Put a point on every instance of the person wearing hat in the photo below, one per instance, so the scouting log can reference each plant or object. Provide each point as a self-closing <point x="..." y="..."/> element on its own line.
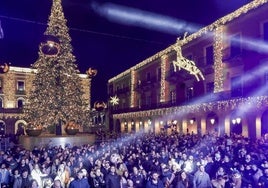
<point x="80" y="182"/>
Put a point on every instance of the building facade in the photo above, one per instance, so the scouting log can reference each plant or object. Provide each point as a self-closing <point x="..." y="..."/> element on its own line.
<point x="15" y="85"/>
<point x="214" y="80"/>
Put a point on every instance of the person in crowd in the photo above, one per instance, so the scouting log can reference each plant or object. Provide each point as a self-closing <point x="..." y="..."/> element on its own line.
<point x="183" y="181"/>
<point x="34" y="184"/>
<point x="229" y="152"/>
<point x="236" y="179"/>
<point x="57" y="184"/>
<point x="5" y="175"/>
<point x="23" y="165"/>
<point x="63" y="175"/>
<point x="98" y="180"/>
<point x="201" y="178"/>
<point x="112" y="179"/>
<point x="137" y="177"/>
<point x="37" y="175"/>
<point x="80" y="181"/>
<point x="154" y="181"/>
<point x="124" y="179"/>
<point x="220" y="178"/>
<point x="15" y="174"/>
<point x="263" y="180"/>
<point x="257" y="173"/>
<point x="24" y="180"/>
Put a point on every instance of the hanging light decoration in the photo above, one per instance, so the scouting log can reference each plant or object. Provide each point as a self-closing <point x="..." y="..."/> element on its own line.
<point x="91" y="72"/>
<point x="50" y="46"/>
<point x="4" y="68"/>
<point x="100" y="105"/>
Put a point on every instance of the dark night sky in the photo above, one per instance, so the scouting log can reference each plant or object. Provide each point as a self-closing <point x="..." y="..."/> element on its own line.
<point x="99" y="38"/>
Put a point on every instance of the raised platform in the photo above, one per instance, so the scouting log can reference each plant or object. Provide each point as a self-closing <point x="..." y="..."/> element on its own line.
<point x="53" y="140"/>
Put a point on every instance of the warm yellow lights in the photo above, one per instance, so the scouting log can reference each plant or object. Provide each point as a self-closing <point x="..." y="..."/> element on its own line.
<point x="218" y="65"/>
<point x="212" y="121"/>
<point x="255" y="102"/>
<point x="163" y="78"/>
<point x="236" y="121"/>
<point x="132" y="88"/>
<point x="185" y="63"/>
<point x="210" y="28"/>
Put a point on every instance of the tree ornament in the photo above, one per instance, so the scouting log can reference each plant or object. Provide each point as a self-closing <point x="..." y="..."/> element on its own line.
<point x="50" y="46"/>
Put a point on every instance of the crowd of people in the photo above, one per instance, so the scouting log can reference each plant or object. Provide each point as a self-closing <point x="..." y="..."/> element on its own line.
<point x="141" y="160"/>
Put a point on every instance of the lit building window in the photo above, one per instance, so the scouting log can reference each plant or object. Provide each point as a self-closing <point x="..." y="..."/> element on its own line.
<point x="265" y="31"/>
<point x="235" y="45"/>
<point x="210" y="87"/>
<point x="20" y="103"/>
<point x="173" y="97"/>
<point x="125" y="127"/>
<point x="190" y="93"/>
<point x="159" y="74"/>
<point x="148" y="77"/>
<point x="20" y="85"/>
<point x="148" y="101"/>
<point x="266" y="78"/>
<point x="236" y="86"/>
<point x="1" y="85"/>
<point x="209" y="55"/>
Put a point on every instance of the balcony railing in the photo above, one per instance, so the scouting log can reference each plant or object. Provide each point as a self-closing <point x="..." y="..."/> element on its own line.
<point x="11" y="110"/>
<point x="213" y="97"/>
<point x="20" y="92"/>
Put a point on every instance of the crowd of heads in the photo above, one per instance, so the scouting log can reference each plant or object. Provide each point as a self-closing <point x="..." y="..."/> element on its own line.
<point x="141" y="160"/>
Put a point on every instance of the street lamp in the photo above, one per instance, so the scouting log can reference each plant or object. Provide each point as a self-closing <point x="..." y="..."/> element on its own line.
<point x="192" y="120"/>
<point x="236" y="121"/>
<point x="212" y="121"/>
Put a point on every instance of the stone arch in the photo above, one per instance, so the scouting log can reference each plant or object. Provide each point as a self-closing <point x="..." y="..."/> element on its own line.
<point x="20" y="102"/>
<point x="236" y="123"/>
<point x="191" y="123"/>
<point x="212" y="122"/>
<point x="141" y="124"/>
<point x="1" y="102"/>
<point x="2" y="127"/>
<point x="117" y="126"/>
<point x="20" y="127"/>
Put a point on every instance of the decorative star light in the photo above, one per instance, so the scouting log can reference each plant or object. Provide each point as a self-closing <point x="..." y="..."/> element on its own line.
<point x="114" y="100"/>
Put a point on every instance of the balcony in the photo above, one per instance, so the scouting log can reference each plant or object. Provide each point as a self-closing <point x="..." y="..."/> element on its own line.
<point x="213" y="97"/>
<point x="20" y="92"/>
<point x="123" y="90"/>
<point x="146" y="85"/>
<point x="175" y="77"/>
<point x="11" y="110"/>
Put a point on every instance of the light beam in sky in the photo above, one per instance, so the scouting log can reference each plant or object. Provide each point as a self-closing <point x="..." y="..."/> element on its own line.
<point x="135" y="17"/>
<point x="1" y="31"/>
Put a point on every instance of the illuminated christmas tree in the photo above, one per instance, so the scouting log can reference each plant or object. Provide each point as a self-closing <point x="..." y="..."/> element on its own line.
<point x="56" y="97"/>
